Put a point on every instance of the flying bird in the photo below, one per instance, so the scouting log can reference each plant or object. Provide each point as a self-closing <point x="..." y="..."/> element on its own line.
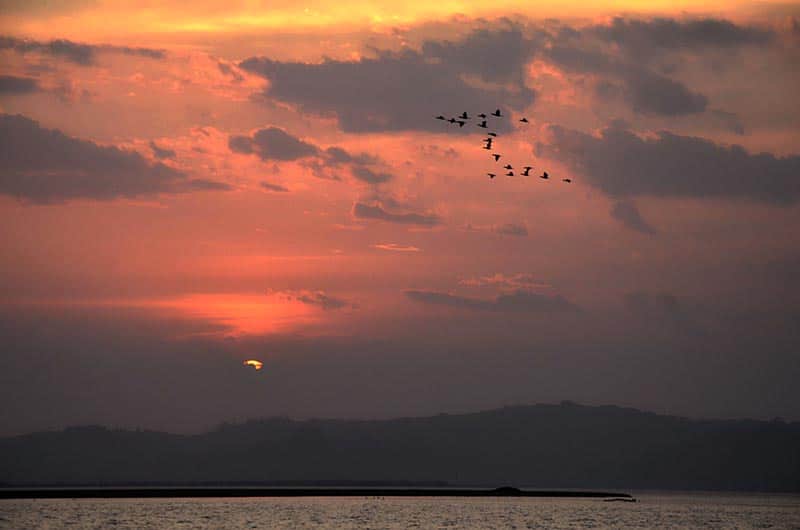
<point x="567" y="180"/>
<point x="491" y="175"/>
<point x="527" y="169"/>
<point x="510" y="174"/>
<point x="496" y="156"/>
<point x="487" y="146"/>
<point x="452" y="120"/>
<point x="481" y="115"/>
<point x="461" y="123"/>
<point x="524" y="120"/>
<point x="497" y="113"/>
<point x="257" y="365"/>
<point x="544" y="175"/>
<point x="440" y="117"/>
<point x="483" y="124"/>
<point x="508" y="166"/>
<point x="492" y="134"/>
<point x="464" y="116"/>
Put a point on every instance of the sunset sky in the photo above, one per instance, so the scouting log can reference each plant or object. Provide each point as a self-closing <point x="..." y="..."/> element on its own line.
<point x="188" y="185"/>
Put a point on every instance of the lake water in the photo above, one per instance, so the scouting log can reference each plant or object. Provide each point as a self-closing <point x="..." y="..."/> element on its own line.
<point x="691" y="510"/>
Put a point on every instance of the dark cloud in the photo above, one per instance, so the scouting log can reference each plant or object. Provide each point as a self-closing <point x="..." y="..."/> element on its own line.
<point x="511" y="229"/>
<point x="645" y="91"/>
<point x="322" y="300"/>
<point x="44" y="165"/>
<point x="75" y="52"/>
<point x="626" y="212"/>
<point x="371" y="177"/>
<point x="623" y="164"/>
<point x="273" y="187"/>
<point x="517" y="302"/>
<point x="160" y="152"/>
<point x="404" y="90"/>
<point x="204" y="185"/>
<point x="272" y="143"/>
<point x="377" y="211"/>
<point x="496" y="55"/>
<point x="336" y="155"/>
<point x="646" y="37"/>
<point x="650" y="93"/>
<point x="10" y="84"/>
<point x="276" y="144"/>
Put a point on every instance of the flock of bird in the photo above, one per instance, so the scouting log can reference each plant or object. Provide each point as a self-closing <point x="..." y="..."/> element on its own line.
<point x="488" y="142"/>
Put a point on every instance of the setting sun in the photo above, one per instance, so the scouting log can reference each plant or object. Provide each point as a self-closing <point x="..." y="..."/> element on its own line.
<point x="257" y="365"/>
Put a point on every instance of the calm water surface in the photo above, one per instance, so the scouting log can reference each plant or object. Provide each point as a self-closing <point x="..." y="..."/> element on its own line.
<point x="652" y="511"/>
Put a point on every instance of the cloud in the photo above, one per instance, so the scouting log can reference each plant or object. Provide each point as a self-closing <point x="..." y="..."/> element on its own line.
<point x="626" y="212"/>
<point x="644" y="38"/>
<point x="376" y="211"/>
<point x="644" y="90"/>
<point x="206" y="185"/>
<point x="273" y="187"/>
<point x="371" y="177"/>
<point x="396" y="248"/>
<point x="622" y="164"/>
<point x="272" y="143"/>
<point x="160" y="152"/>
<point x="45" y="165"/>
<point x="519" y="301"/>
<point x="75" y="52"/>
<point x="321" y="299"/>
<point x="513" y="282"/>
<point x="10" y="84"/>
<point x="404" y="90"/>
<point x="511" y="229"/>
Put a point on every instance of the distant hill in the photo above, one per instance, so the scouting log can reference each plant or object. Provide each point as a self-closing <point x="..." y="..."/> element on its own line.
<point x="541" y="446"/>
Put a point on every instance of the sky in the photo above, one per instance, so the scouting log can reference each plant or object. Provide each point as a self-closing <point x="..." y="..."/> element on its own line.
<point x="185" y="186"/>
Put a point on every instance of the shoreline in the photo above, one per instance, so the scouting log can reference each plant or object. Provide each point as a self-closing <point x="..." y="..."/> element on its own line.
<point x="205" y="492"/>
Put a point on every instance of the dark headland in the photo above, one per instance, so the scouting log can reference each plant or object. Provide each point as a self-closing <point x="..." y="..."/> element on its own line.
<point x="567" y="447"/>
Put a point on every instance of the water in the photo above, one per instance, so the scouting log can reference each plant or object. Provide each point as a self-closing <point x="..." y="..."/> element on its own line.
<point x="652" y="511"/>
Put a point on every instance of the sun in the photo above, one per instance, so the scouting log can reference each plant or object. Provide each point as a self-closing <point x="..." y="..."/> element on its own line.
<point x="257" y="365"/>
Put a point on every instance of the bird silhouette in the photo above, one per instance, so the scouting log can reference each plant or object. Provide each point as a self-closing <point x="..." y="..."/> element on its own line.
<point x="544" y="175"/>
<point x="460" y="123"/>
<point x="492" y="134"/>
<point x="497" y="113"/>
<point x="452" y="120"/>
<point x="527" y="169"/>
<point x="440" y="117"/>
<point x="491" y="175"/>
<point x="524" y="120"/>
<point x="496" y="156"/>
<point x="567" y="180"/>
<point x="488" y="147"/>
<point x="510" y="174"/>
<point x="481" y="115"/>
<point x="464" y="116"/>
<point x="508" y="166"/>
<point x="483" y="124"/>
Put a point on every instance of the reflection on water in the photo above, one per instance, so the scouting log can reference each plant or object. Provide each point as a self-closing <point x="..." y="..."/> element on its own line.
<point x="652" y="510"/>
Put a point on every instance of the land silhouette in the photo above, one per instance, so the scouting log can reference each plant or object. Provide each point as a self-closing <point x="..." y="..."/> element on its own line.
<point x="540" y="446"/>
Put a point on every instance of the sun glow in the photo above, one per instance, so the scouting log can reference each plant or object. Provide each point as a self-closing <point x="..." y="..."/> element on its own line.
<point x="257" y="365"/>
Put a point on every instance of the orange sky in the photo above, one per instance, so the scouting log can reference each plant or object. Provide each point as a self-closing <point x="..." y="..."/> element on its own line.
<point x="145" y="203"/>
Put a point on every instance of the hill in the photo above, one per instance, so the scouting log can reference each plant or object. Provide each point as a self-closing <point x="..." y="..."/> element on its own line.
<point x="540" y="446"/>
